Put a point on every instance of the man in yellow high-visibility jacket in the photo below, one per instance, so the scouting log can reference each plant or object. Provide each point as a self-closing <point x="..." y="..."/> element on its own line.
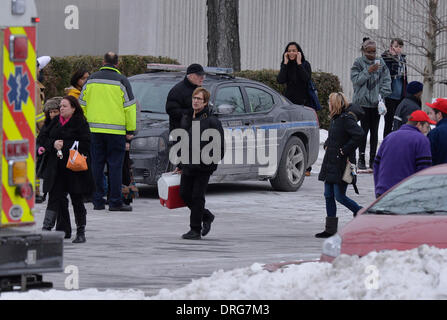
<point x="110" y="109"/>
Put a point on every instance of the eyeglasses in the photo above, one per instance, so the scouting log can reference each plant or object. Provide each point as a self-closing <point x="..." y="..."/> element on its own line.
<point x="197" y="99"/>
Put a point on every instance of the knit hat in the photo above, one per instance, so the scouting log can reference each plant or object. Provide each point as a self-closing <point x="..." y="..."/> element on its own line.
<point x="52" y="103"/>
<point x="415" y="87"/>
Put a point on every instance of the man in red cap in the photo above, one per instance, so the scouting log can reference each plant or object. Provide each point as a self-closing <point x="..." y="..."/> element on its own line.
<point x="403" y="153"/>
<point x="438" y="136"/>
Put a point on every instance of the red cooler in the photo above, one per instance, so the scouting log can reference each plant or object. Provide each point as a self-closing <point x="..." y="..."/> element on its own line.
<point x="169" y="191"/>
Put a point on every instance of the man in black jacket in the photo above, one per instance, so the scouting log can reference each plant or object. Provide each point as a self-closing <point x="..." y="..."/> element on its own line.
<point x="397" y="64"/>
<point x="179" y="101"/>
<point x="411" y="103"/>
<point x="200" y="164"/>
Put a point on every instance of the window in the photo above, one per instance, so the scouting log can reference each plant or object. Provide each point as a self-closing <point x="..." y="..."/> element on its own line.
<point x="152" y="95"/>
<point x="418" y="195"/>
<point x="260" y="100"/>
<point x="231" y="96"/>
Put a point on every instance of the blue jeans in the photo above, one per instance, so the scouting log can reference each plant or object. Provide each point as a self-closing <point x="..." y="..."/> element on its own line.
<point x="108" y="148"/>
<point x="337" y="192"/>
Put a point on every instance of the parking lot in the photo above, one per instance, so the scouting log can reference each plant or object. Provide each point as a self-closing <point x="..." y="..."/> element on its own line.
<point x="143" y="249"/>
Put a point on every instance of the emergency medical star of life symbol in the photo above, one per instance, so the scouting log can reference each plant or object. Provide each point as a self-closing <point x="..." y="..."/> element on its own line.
<point x="18" y="85"/>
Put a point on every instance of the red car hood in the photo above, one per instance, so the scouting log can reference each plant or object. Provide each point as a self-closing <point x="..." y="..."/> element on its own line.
<point x="369" y="232"/>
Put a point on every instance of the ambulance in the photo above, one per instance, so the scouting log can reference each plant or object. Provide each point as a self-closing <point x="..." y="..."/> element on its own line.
<point x="25" y="251"/>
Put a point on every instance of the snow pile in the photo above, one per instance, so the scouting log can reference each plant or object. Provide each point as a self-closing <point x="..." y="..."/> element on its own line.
<point x="415" y="274"/>
<point x="87" y="294"/>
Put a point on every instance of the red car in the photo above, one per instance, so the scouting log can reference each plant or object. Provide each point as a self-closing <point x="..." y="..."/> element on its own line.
<point x="412" y="213"/>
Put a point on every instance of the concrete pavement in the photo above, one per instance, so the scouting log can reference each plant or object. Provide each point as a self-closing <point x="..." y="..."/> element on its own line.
<point x="143" y="249"/>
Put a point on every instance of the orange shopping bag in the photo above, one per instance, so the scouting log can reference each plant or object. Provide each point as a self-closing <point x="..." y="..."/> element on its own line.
<point x="76" y="161"/>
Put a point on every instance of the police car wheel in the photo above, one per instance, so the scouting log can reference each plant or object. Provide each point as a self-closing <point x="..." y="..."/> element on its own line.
<point x="292" y="167"/>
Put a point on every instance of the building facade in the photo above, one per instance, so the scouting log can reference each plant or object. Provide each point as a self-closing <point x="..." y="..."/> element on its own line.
<point x="329" y="31"/>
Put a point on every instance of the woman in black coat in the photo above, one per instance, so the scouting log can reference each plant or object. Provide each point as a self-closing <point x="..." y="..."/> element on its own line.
<point x="344" y="137"/>
<point x="296" y="74"/>
<point x="57" y="139"/>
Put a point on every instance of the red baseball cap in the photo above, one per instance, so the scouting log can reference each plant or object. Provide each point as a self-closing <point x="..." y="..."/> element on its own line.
<point x="420" y="116"/>
<point x="439" y="104"/>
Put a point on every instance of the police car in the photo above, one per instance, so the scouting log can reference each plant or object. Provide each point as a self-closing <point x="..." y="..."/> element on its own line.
<point x="266" y="136"/>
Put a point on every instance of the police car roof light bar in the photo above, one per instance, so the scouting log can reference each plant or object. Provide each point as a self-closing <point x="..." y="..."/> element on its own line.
<point x="179" y="68"/>
<point x="165" y="67"/>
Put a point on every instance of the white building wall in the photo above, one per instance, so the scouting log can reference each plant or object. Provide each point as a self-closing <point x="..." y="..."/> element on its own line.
<point x="329" y="31"/>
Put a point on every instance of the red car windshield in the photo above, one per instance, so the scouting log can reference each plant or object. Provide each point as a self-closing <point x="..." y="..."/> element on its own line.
<point x="418" y="195"/>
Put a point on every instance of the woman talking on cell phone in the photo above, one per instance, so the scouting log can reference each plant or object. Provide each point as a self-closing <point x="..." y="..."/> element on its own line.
<point x="296" y="74"/>
<point x="370" y="78"/>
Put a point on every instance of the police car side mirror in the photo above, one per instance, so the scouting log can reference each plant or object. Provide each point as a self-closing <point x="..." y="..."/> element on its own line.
<point x="225" y="109"/>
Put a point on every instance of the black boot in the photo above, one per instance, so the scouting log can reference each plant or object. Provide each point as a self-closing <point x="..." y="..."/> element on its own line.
<point x="192" y="235"/>
<point x="207" y="221"/>
<point x="80" y="235"/>
<point x="331" y="228"/>
<point x="371" y="161"/>
<point x="80" y="218"/>
<point x="362" y="163"/>
<point x="49" y="220"/>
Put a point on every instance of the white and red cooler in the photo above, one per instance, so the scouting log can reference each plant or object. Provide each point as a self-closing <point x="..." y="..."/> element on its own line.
<point x="169" y="191"/>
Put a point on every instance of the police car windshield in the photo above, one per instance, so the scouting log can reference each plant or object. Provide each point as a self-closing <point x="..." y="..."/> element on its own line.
<point x="152" y="94"/>
<point x="418" y="195"/>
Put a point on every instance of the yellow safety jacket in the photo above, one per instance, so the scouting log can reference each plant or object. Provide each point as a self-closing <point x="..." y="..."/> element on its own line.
<point x="108" y="102"/>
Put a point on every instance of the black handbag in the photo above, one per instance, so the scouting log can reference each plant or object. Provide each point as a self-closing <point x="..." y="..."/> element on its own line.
<point x="40" y="165"/>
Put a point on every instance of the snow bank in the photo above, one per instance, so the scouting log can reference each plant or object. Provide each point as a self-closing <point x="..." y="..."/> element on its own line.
<point x="415" y="274"/>
<point x="87" y="294"/>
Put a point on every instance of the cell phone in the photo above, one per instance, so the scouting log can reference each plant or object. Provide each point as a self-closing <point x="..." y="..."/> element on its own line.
<point x="377" y="61"/>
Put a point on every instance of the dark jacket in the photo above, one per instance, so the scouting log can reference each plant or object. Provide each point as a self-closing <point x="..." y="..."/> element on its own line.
<point x="179" y="102"/>
<point x="401" y="154"/>
<point x="206" y="121"/>
<point x="296" y="77"/>
<point x="40" y="159"/>
<point x="76" y="129"/>
<point x="404" y="110"/>
<point x="345" y="134"/>
<point x="393" y="66"/>
<point x="438" y="142"/>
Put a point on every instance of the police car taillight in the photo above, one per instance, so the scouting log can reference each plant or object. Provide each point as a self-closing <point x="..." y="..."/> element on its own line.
<point x="17" y="149"/>
<point x="18" y="48"/>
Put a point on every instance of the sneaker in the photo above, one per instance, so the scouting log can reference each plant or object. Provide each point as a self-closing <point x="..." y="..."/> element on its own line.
<point x="39" y="199"/>
<point x="206" y="226"/>
<point x="101" y="207"/>
<point x="124" y="207"/>
<point x="192" y="235"/>
<point x="307" y="173"/>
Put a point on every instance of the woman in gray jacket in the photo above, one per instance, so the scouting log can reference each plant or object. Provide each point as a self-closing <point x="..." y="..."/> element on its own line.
<point x="370" y="78"/>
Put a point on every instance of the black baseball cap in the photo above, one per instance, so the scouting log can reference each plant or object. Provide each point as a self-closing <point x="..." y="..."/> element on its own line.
<point x="195" y="68"/>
